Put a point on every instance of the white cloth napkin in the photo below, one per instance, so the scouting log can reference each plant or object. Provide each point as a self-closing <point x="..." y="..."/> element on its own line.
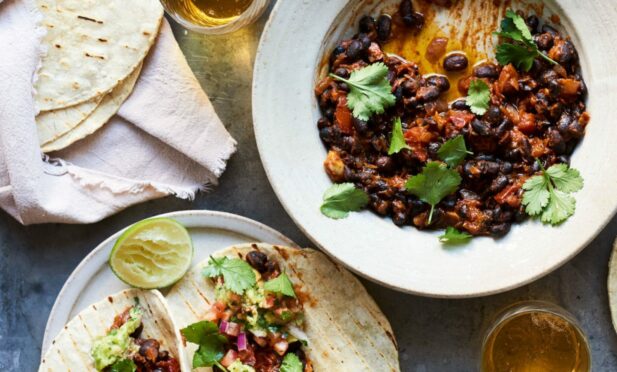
<point x="165" y="140"/>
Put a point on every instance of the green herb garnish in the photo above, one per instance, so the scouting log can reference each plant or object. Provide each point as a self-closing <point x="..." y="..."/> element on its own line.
<point x="453" y="236"/>
<point x="369" y="91"/>
<point x="524" y="50"/>
<point x="548" y="195"/>
<point x="397" y="140"/>
<point x="238" y="274"/>
<point x="454" y="151"/>
<point x="124" y="365"/>
<point x="280" y="284"/>
<point x="340" y="199"/>
<point x="478" y="97"/>
<point x="434" y="183"/>
<point x="211" y="343"/>
<point x="291" y="363"/>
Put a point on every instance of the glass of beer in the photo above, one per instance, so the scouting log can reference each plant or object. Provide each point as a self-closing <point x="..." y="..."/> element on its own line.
<point x="535" y="336"/>
<point x="215" y="16"/>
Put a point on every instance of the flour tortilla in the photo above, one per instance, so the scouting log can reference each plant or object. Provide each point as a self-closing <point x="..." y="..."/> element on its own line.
<point x="108" y="107"/>
<point x="612" y="285"/>
<point x="346" y="330"/>
<point x="70" y="350"/>
<point x="92" y="46"/>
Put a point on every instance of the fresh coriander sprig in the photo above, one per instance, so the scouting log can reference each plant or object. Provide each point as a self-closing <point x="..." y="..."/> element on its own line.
<point x="523" y="50"/>
<point x="340" y="199"/>
<point x="453" y="151"/>
<point x="211" y="343"/>
<point x="238" y="274"/>
<point x="369" y="90"/>
<point x="453" y="236"/>
<point x="478" y="97"/>
<point x="281" y="284"/>
<point x="397" y="140"/>
<point x="434" y="183"/>
<point x="548" y="195"/>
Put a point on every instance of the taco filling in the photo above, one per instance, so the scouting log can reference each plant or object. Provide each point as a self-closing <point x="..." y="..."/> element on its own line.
<point x="122" y="349"/>
<point x="256" y="323"/>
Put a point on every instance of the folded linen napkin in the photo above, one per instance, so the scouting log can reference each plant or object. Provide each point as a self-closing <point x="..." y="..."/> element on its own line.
<point x="165" y="140"/>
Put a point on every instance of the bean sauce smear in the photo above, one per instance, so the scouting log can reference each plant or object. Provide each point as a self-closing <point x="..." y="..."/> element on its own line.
<point x="540" y="114"/>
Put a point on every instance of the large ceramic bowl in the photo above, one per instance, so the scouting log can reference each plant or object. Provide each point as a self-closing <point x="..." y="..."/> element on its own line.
<point x="290" y="56"/>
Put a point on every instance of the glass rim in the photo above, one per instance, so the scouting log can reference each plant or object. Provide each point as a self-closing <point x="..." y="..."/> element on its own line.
<point x="254" y="11"/>
<point x="533" y="306"/>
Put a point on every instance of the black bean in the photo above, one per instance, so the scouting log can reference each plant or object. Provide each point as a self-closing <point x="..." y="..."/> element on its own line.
<point x="488" y="71"/>
<point x="432" y="148"/>
<point x="360" y="125"/>
<point x="367" y="24"/>
<point x="506" y="167"/>
<point x="322" y="123"/>
<point x="480" y="127"/>
<point x="500" y="229"/>
<point x="342" y="72"/>
<point x="427" y="94"/>
<point x="365" y="40"/>
<point x="406" y="12"/>
<point x="533" y="23"/>
<point x="468" y="194"/>
<point x="417" y="206"/>
<point x="384" y="27"/>
<point x="149" y="349"/>
<point x="336" y="52"/>
<point x="544" y="41"/>
<point x="400" y="218"/>
<point x="410" y="87"/>
<point x="549" y="29"/>
<point x="385" y="164"/>
<point x="398" y="93"/>
<point x="498" y="183"/>
<point x="449" y="201"/>
<point x="566" y="52"/>
<point x="327" y="135"/>
<point x="257" y="260"/>
<point x="548" y="76"/>
<point x="460" y="104"/>
<point x="439" y="81"/>
<point x="493" y="115"/>
<point x="455" y="62"/>
<point x="354" y="50"/>
<point x="503" y="127"/>
<point x="556" y="141"/>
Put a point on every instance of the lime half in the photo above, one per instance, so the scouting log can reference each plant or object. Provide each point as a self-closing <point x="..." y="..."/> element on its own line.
<point x="153" y="253"/>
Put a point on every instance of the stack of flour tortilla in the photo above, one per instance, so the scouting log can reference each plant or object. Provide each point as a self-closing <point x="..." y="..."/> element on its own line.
<point x="95" y="50"/>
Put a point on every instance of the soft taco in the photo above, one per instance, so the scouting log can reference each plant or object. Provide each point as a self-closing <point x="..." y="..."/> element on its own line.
<point x="130" y="331"/>
<point x="258" y="308"/>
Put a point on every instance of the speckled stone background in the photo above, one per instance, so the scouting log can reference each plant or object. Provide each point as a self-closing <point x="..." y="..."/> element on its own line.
<point x="434" y="335"/>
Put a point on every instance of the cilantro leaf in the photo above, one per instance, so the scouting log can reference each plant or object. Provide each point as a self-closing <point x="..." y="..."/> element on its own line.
<point x="520" y="56"/>
<point x="536" y="195"/>
<point x="370" y="91"/>
<point x="434" y="183"/>
<point x="454" y="151"/>
<point x="523" y="53"/>
<point x="291" y="363"/>
<point x="340" y="199"/>
<point x="211" y="343"/>
<point x="564" y="178"/>
<point x="548" y="194"/>
<point x="124" y="365"/>
<point x="397" y="141"/>
<point x="478" y="97"/>
<point x="280" y="284"/>
<point x="453" y="236"/>
<point x="238" y="274"/>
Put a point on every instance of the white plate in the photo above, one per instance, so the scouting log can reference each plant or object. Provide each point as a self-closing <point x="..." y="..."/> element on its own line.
<point x="92" y="280"/>
<point x="285" y="115"/>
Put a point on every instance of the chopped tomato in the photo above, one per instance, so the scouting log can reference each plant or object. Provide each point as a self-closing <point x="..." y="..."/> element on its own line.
<point x="343" y="116"/>
<point x="527" y="123"/>
<point x="229" y="358"/>
<point x="460" y="119"/>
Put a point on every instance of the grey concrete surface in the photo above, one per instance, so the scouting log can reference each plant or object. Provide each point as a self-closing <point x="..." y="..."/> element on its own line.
<point x="434" y="335"/>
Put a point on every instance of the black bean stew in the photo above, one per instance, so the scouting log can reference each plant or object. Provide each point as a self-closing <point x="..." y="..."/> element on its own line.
<point x="538" y="114"/>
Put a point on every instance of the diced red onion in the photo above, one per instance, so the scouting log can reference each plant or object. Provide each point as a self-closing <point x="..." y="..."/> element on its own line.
<point x="233" y="329"/>
<point x="242" y="344"/>
<point x="223" y="326"/>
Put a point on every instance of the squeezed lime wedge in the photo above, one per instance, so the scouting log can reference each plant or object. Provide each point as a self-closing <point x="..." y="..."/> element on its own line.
<point x="153" y="253"/>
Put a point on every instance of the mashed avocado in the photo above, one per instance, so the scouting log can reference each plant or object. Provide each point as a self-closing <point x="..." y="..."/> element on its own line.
<point x="237" y="366"/>
<point x="111" y="348"/>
